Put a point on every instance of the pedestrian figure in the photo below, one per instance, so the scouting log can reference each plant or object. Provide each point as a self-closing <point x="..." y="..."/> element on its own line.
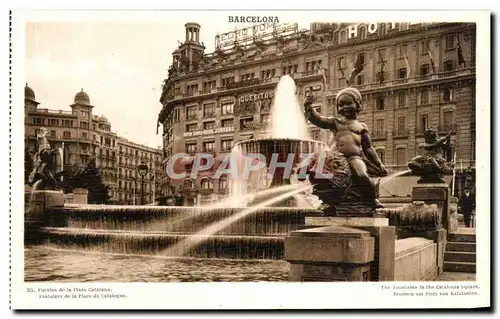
<point x="467" y="205"/>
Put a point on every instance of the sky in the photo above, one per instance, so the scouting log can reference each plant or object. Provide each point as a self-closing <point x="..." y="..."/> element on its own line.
<point x="120" y="65"/>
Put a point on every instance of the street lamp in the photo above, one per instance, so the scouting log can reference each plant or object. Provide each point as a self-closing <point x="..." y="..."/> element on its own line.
<point x="142" y="169"/>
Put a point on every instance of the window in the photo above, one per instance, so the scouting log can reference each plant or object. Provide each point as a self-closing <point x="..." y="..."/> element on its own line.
<point x="227" y="123"/>
<point x="84" y="113"/>
<point x="402" y="50"/>
<point x="447" y="95"/>
<point x="226" y="145"/>
<point x="37" y="121"/>
<point x="209" y="125"/>
<point x="401" y="157"/>
<point x="381" y="155"/>
<point x="191" y="113"/>
<point x="447" y="121"/>
<point x="208" y="86"/>
<point x="190" y="148"/>
<point x="361" y="58"/>
<point x="402" y="99"/>
<point x="362" y="32"/>
<point x="380" y="128"/>
<point x="68" y="123"/>
<point x="379" y="104"/>
<point x="424" y="122"/>
<point x="177" y="115"/>
<point x="360" y="79"/>
<point x="191" y="127"/>
<point x="209" y="146"/>
<point x="267" y="74"/>
<point x="402" y="73"/>
<point x="84" y="135"/>
<point x="227" y="107"/>
<point x="424" y="97"/>
<point x="54" y="122"/>
<point x="448" y="66"/>
<point x="84" y="124"/>
<point x="290" y="69"/>
<point x="209" y="110"/>
<point x="67" y="134"/>
<point x="341" y="62"/>
<point x="53" y="133"/>
<point x="223" y="182"/>
<point x="450" y="42"/>
<point x="425" y="46"/>
<point x="227" y="81"/>
<point x="401" y="124"/>
<point x="343" y="36"/>
<point x="207" y="183"/>
<point x="424" y="69"/>
<point x="248" y="76"/>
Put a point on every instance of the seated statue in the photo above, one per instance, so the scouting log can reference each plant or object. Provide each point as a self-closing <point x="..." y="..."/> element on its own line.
<point x="432" y="165"/>
<point x="351" y="160"/>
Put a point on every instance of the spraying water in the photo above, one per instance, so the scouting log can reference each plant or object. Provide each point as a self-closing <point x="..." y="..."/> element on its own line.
<point x="287" y="117"/>
<point x="184" y="246"/>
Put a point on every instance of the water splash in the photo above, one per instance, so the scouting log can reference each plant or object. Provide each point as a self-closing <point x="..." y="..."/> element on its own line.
<point x="287" y="117"/>
<point x="388" y="178"/>
<point x="192" y="241"/>
<point x="32" y="195"/>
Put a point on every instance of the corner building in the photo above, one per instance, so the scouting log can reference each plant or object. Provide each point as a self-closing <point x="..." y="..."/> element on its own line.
<point x="82" y="135"/>
<point x="415" y="76"/>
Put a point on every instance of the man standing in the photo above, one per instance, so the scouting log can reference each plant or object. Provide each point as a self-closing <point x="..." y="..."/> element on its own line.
<point x="467" y="205"/>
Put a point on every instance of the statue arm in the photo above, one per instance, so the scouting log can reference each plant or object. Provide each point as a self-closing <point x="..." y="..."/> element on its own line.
<point x="318" y="120"/>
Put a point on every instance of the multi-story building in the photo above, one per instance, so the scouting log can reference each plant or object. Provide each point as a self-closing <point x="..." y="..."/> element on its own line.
<point x="83" y="135"/>
<point x="415" y="76"/>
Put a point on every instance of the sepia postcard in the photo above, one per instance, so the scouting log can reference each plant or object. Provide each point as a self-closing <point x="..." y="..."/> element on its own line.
<point x="250" y="159"/>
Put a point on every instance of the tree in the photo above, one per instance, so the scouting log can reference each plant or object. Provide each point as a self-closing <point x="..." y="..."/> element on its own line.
<point x="88" y="177"/>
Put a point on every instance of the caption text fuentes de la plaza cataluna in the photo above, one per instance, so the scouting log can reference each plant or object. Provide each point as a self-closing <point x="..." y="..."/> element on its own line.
<point x="75" y="293"/>
<point x="432" y="290"/>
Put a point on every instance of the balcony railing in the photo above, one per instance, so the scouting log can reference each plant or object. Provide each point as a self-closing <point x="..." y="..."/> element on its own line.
<point x="401" y="133"/>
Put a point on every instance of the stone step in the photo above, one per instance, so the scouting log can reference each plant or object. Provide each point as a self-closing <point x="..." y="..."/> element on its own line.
<point x="460" y="246"/>
<point x="462" y="256"/>
<point x="457" y="266"/>
<point x="469" y="238"/>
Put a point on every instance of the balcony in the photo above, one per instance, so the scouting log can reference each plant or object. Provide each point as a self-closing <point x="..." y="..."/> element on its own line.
<point x="191" y="117"/>
<point x="379" y="135"/>
<point x="208" y="114"/>
<point x="400" y="133"/>
<point x="401" y="81"/>
<point x="84" y="140"/>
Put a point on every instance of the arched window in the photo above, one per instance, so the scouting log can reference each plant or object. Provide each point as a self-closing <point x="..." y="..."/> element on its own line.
<point x="223" y="182"/>
<point x="207" y="183"/>
<point x="343" y="36"/>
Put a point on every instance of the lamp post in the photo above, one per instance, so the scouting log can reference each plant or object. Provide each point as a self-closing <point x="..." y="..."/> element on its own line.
<point x="142" y="169"/>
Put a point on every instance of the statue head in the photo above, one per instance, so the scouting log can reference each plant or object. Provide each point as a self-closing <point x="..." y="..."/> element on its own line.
<point x="430" y="135"/>
<point x="42" y="132"/>
<point x="348" y="102"/>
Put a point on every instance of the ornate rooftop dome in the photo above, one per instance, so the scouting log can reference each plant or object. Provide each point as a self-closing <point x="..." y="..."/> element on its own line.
<point x="29" y="94"/>
<point x="82" y="98"/>
<point x="103" y="119"/>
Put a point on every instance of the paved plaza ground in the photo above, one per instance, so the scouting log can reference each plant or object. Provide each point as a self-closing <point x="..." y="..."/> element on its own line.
<point x="456" y="276"/>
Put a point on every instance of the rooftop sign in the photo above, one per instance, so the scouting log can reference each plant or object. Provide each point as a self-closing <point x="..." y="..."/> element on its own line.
<point x="259" y="32"/>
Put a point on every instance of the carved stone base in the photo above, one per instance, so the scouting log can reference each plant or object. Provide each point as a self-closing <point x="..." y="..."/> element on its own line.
<point x="36" y="205"/>
<point x="431" y="179"/>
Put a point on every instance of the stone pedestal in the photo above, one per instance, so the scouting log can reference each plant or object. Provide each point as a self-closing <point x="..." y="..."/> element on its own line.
<point x="384" y="240"/>
<point x="36" y="205"/>
<point x="331" y="253"/>
<point x="438" y="194"/>
<point x="80" y="196"/>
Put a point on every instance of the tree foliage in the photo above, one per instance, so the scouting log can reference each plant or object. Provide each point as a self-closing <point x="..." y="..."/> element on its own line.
<point x="87" y="177"/>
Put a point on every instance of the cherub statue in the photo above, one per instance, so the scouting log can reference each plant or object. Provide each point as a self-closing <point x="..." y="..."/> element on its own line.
<point x="349" y="104"/>
<point x="432" y="165"/>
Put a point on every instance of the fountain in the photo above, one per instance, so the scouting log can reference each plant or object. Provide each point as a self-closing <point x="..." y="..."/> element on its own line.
<point x="264" y="205"/>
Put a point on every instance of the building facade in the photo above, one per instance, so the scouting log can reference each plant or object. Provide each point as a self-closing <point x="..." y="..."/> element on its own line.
<point x="415" y="76"/>
<point x="83" y="135"/>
